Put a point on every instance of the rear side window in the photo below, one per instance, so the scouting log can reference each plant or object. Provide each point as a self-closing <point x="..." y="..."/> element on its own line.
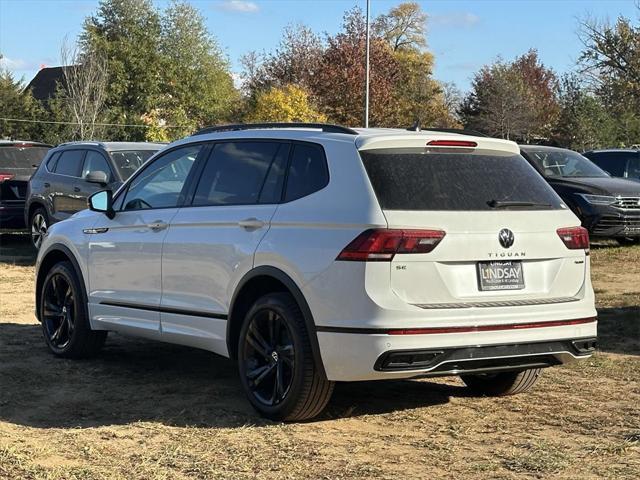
<point x="51" y="163"/>
<point x="235" y="173"/>
<point x="415" y="179"/>
<point x="70" y="163"/>
<point x="611" y="162"/>
<point x="308" y="172"/>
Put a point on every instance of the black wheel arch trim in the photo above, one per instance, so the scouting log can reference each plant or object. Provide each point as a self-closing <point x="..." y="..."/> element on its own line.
<point x="59" y="247"/>
<point x="287" y="281"/>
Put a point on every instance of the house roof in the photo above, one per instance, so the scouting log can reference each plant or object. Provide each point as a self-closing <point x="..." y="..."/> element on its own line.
<point x="43" y="85"/>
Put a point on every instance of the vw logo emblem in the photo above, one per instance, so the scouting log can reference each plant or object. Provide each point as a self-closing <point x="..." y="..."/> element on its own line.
<point x="505" y="237"/>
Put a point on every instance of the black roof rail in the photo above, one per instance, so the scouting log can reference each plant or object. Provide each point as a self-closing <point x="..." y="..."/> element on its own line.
<point x="459" y="131"/>
<point x="325" y="127"/>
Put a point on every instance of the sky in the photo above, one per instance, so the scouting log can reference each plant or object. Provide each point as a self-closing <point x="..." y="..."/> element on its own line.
<point x="464" y="35"/>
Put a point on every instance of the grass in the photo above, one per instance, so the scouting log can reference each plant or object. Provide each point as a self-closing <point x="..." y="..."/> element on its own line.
<point x="144" y="410"/>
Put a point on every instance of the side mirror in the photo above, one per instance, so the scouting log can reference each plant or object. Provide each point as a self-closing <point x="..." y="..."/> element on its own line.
<point x="102" y="201"/>
<point x="97" y="176"/>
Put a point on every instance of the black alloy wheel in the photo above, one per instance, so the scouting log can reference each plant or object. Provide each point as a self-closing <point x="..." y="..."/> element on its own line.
<point x="59" y="311"/>
<point x="268" y="357"/>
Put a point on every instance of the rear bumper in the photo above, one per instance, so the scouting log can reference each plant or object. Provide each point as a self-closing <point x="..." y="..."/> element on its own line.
<point x="376" y="356"/>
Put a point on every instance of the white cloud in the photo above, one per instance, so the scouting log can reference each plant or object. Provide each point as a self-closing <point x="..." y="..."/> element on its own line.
<point x="14" y="64"/>
<point x="455" y="19"/>
<point x="241" y="6"/>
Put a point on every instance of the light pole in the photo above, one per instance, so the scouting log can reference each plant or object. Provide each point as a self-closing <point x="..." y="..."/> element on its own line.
<point x="366" y="87"/>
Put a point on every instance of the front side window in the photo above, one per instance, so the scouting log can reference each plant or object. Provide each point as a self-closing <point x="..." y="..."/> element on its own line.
<point x="564" y="163"/>
<point x="95" y="162"/>
<point x="128" y="161"/>
<point x="417" y="179"/>
<point x="70" y="163"/>
<point x="160" y="185"/>
<point x="235" y="173"/>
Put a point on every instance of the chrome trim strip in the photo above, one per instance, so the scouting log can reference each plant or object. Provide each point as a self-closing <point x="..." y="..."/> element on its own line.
<point x="499" y="303"/>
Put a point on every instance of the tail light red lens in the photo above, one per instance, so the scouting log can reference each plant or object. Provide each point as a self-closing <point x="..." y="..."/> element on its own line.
<point x="380" y="245"/>
<point x="6" y="176"/>
<point x="575" y="238"/>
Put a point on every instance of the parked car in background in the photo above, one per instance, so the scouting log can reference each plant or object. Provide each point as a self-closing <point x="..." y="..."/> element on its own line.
<point x="73" y="171"/>
<point x="18" y="161"/>
<point x="312" y="254"/>
<point x="607" y="206"/>
<point x="624" y="163"/>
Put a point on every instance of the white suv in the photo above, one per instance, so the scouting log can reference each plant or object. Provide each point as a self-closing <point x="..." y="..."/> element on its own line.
<point x="312" y="254"/>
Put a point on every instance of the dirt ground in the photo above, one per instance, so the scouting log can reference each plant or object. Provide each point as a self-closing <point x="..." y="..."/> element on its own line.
<point x="144" y="410"/>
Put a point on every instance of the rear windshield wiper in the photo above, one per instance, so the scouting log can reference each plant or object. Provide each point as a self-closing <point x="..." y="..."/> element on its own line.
<point x="509" y="203"/>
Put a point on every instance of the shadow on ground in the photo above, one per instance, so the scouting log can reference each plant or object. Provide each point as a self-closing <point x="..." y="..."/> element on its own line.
<point x="135" y="380"/>
<point x="619" y="330"/>
<point x="16" y="249"/>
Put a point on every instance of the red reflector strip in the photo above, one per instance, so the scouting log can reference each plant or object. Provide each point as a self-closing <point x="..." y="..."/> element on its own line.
<point x="452" y="143"/>
<point x="490" y="328"/>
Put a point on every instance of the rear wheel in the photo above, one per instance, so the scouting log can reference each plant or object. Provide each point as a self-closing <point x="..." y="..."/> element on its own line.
<point x="503" y="383"/>
<point x="63" y="312"/>
<point x="39" y="223"/>
<point x="277" y="368"/>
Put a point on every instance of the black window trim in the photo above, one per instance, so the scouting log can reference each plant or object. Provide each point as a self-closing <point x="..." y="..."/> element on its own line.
<point x="121" y="194"/>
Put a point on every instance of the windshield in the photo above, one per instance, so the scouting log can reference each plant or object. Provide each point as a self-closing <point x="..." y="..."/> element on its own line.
<point x="21" y="160"/>
<point x="128" y="161"/>
<point x="418" y="179"/>
<point x="564" y="163"/>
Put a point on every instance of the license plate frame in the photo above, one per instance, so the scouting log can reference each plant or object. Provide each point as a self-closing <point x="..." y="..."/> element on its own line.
<point x="500" y="275"/>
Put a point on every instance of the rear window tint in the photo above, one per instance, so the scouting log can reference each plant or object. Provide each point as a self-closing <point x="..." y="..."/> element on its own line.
<point x="21" y="157"/>
<point x="416" y="179"/>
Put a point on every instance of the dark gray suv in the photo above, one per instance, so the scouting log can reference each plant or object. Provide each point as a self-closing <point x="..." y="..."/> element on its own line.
<point x="73" y="171"/>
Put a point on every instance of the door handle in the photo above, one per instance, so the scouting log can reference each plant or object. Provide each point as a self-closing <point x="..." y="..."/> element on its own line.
<point x="251" y="223"/>
<point x="158" y="225"/>
<point x="47" y="184"/>
<point x="76" y="189"/>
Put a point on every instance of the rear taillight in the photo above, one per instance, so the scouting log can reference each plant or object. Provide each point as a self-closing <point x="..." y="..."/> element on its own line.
<point x="6" y="176"/>
<point x="575" y="238"/>
<point x="380" y="245"/>
<point x="452" y="143"/>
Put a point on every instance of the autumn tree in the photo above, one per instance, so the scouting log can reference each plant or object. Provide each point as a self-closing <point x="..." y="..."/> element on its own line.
<point x="339" y="80"/>
<point x="290" y="103"/>
<point x="515" y="100"/>
<point x="403" y="27"/>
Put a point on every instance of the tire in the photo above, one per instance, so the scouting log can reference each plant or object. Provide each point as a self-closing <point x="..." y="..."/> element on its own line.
<point x="274" y="348"/>
<point x="628" y="240"/>
<point x="38" y="225"/>
<point x="502" y="384"/>
<point x="64" y="315"/>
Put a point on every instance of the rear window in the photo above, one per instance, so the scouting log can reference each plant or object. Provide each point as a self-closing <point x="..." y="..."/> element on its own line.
<point x="417" y="179"/>
<point x="21" y="158"/>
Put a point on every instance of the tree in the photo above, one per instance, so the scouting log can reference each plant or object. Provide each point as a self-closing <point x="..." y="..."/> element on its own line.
<point x="197" y="88"/>
<point x="126" y="33"/>
<point x="284" y="104"/>
<point x="514" y="100"/>
<point x="404" y="27"/>
<point x="339" y="80"/>
<point x="16" y="102"/>
<point x="84" y="89"/>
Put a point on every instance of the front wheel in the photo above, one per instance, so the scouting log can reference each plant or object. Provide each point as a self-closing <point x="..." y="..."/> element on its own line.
<point x="63" y="312"/>
<point x="277" y="369"/>
<point x="502" y="384"/>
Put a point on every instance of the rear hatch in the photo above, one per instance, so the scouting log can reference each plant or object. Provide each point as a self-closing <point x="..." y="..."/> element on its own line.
<point x="17" y="164"/>
<point x="499" y="223"/>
